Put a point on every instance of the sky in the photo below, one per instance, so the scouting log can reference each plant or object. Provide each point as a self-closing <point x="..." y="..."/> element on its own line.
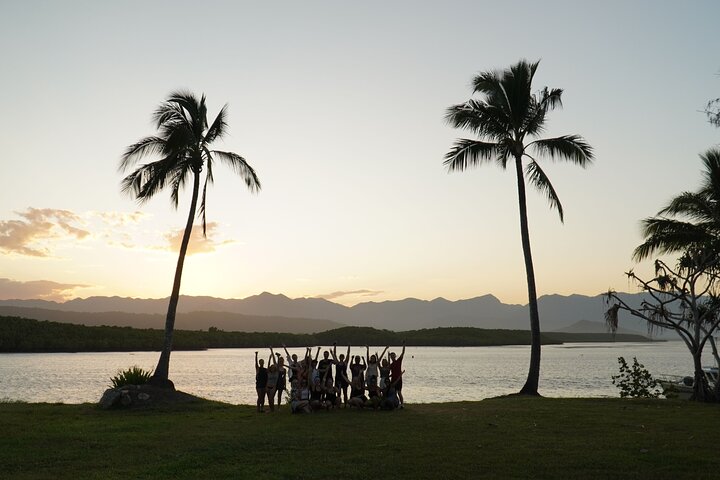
<point x="339" y="106"/>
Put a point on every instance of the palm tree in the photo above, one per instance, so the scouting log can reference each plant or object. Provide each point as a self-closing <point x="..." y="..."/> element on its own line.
<point x="504" y="119"/>
<point x="691" y="220"/>
<point x="183" y="145"/>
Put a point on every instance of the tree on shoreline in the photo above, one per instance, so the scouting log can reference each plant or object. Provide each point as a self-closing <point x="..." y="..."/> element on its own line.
<point x="183" y="143"/>
<point x="684" y="299"/>
<point x="688" y="225"/>
<point x="503" y="120"/>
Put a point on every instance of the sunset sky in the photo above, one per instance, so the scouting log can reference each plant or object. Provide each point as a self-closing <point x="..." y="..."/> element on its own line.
<point x="339" y="107"/>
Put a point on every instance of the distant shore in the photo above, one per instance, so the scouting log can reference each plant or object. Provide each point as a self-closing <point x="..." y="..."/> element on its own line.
<point x="22" y="335"/>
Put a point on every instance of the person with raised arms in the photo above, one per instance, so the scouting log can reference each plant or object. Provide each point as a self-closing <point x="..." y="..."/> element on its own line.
<point x="396" y="373"/>
<point x="341" y="365"/>
<point x="261" y="378"/>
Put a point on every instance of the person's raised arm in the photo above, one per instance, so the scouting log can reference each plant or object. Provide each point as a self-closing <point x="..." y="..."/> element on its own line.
<point x="272" y="355"/>
<point x="382" y="354"/>
<point x="367" y="354"/>
<point x="333" y="352"/>
<point x="270" y="358"/>
<point x="256" y="362"/>
<point x="287" y="354"/>
<point x="402" y="353"/>
<point x="347" y="356"/>
<point x="317" y="354"/>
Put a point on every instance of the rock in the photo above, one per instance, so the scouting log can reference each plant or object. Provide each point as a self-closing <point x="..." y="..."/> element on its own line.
<point x="143" y="397"/>
<point x="125" y="398"/>
<point x="110" y="398"/>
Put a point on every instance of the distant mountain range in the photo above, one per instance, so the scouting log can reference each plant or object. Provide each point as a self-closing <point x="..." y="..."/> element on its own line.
<point x="271" y="312"/>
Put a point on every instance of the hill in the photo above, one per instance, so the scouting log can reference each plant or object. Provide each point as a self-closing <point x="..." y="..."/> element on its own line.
<point x="557" y="312"/>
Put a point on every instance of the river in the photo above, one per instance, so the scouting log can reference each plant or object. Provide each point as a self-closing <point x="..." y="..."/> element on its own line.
<point x="433" y="374"/>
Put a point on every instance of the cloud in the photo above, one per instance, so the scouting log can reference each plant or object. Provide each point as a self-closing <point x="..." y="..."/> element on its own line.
<point x="42" y="289"/>
<point x="362" y="293"/>
<point x="198" y="243"/>
<point x="120" y="219"/>
<point x="29" y="236"/>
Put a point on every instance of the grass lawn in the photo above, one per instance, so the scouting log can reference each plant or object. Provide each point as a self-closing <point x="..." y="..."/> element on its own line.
<point x="510" y="437"/>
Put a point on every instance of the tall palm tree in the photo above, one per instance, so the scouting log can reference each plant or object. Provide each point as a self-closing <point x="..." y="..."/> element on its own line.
<point x="691" y="220"/>
<point x="183" y="145"/>
<point x="504" y="119"/>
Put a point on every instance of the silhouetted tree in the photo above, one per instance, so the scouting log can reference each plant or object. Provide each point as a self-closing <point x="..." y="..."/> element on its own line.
<point x="690" y="221"/>
<point x="504" y="119"/>
<point x="183" y="145"/>
<point x="684" y="299"/>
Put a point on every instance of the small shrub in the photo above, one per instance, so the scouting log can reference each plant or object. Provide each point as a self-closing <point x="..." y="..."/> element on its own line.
<point x="635" y="381"/>
<point x="132" y="376"/>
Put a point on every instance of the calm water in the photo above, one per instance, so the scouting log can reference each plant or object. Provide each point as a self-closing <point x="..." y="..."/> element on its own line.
<point x="433" y="374"/>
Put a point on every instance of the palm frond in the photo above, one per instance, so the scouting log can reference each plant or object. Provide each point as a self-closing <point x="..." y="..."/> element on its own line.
<point x="537" y="177"/>
<point x="691" y="205"/>
<point x="148" y="146"/>
<point x="663" y="235"/>
<point x="545" y="101"/>
<point x="241" y="167"/>
<point x="217" y="129"/>
<point x="480" y="118"/>
<point x="149" y="179"/>
<point x="469" y="153"/>
<point x="517" y="84"/>
<point x="567" y="147"/>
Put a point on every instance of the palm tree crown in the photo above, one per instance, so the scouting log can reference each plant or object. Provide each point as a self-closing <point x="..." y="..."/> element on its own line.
<point x="691" y="221"/>
<point x="183" y="143"/>
<point x="504" y="119"/>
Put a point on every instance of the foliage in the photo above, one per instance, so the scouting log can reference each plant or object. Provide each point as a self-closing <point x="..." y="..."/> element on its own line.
<point x="684" y="299"/>
<point x="712" y="110"/>
<point x="558" y="438"/>
<point x="635" y="381"/>
<point x="691" y="221"/>
<point x="132" y="376"/>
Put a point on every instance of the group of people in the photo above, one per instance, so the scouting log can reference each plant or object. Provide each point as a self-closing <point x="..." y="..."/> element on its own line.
<point x="374" y="382"/>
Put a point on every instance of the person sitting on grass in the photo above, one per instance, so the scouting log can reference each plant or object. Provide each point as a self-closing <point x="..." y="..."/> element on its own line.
<point x="332" y="394"/>
<point x="373" y="393"/>
<point x="261" y="378"/>
<point x="390" y="400"/>
<point x="316" y="395"/>
<point x="357" y="393"/>
<point x="299" y="398"/>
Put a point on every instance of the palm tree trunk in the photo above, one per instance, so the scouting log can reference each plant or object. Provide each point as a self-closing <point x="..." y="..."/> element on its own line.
<point x="160" y="377"/>
<point x="533" y="378"/>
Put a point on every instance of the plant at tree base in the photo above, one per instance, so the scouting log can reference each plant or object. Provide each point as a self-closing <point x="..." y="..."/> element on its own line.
<point x="635" y="381"/>
<point x="132" y="376"/>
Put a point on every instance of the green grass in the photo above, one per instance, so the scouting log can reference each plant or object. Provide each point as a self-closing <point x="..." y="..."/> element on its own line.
<point x="511" y="437"/>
